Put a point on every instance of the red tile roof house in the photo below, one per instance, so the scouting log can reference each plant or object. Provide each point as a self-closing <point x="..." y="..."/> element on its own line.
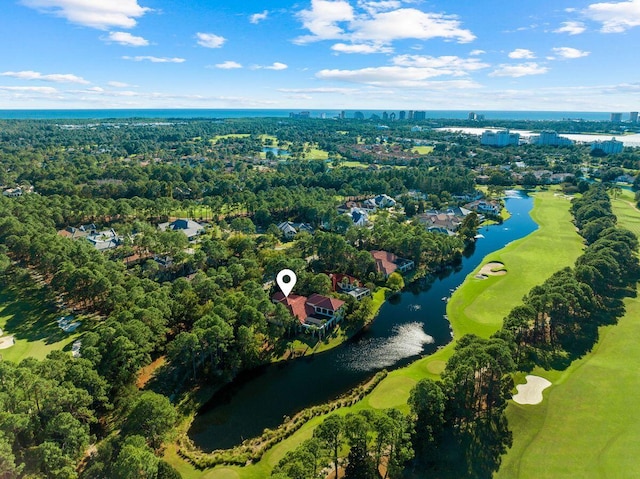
<point x="316" y="311"/>
<point x="387" y="263"/>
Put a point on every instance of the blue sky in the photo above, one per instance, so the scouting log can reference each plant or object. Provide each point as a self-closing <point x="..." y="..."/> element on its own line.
<point x="321" y="54"/>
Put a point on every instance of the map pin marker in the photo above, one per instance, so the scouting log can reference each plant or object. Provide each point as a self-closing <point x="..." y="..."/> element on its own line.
<point x="286" y="280"/>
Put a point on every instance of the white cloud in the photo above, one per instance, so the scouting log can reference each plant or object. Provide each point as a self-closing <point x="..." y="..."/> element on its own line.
<point x="100" y="14"/>
<point x="210" y="40"/>
<point x="616" y="17"/>
<point x="521" y="53"/>
<point x="327" y="90"/>
<point x="379" y="6"/>
<point x="154" y="59"/>
<point x="125" y="38"/>
<point x="47" y="90"/>
<point x="477" y="52"/>
<point x="53" y="77"/>
<point x="363" y="48"/>
<point x="118" y="84"/>
<point x="570" y="53"/>
<point x="276" y="66"/>
<point x="409" y="23"/>
<point x="520" y="70"/>
<point x="228" y="65"/>
<point x="444" y="65"/>
<point x="258" y="17"/>
<point x="396" y="76"/>
<point x="572" y="28"/>
<point x="323" y="18"/>
<point x="377" y="22"/>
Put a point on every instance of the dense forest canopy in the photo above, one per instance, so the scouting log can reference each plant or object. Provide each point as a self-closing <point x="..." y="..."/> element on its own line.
<point x="201" y="311"/>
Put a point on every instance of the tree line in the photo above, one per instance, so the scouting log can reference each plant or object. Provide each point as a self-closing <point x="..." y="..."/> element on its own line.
<point x="456" y="426"/>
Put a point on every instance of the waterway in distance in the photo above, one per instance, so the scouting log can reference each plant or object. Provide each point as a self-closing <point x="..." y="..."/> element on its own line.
<point x="408" y="326"/>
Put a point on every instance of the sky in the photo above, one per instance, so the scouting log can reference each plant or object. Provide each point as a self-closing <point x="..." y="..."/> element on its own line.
<point x="560" y="55"/>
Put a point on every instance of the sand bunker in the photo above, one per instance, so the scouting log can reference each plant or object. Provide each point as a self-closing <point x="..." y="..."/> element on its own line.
<point x="7" y="342"/>
<point x="531" y="391"/>
<point x="491" y="269"/>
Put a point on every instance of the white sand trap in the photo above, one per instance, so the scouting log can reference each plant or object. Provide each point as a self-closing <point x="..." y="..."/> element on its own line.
<point x="531" y="391"/>
<point x="493" y="269"/>
<point x="7" y="342"/>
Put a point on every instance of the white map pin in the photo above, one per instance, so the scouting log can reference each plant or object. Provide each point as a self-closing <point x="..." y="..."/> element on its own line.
<point x="286" y="286"/>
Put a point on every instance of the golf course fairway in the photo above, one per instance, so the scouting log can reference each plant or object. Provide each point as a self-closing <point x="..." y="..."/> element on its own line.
<point x="588" y="425"/>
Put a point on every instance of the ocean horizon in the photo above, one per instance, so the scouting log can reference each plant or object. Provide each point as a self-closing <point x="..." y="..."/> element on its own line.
<point x="179" y="113"/>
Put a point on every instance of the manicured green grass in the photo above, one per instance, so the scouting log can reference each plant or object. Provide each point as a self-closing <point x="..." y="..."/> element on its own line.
<point x="476" y="307"/>
<point x="315" y="153"/>
<point x="423" y="150"/>
<point x="588" y="426"/>
<point x="216" y="138"/>
<point x="354" y="164"/>
<point x="479" y="306"/>
<point x="33" y="326"/>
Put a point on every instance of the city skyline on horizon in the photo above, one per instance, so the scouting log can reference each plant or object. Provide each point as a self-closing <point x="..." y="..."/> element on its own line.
<point x="350" y="54"/>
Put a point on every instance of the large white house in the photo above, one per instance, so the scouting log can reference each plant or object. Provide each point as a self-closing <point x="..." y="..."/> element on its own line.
<point x="290" y="230"/>
<point x="191" y="229"/>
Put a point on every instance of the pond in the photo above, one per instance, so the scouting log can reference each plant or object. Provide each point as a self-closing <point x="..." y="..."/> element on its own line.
<point x="275" y="151"/>
<point x="408" y="326"/>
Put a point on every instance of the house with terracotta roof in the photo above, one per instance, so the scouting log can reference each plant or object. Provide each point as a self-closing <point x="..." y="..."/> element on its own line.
<point x="387" y="263"/>
<point x="315" y="312"/>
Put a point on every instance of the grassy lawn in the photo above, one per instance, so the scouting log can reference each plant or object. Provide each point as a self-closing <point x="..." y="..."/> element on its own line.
<point x="354" y="164"/>
<point x="423" y="150"/>
<point x="33" y="326"/>
<point x="216" y="138"/>
<point x="315" y="153"/>
<point x="588" y="425"/>
<point x="476" y="307"/>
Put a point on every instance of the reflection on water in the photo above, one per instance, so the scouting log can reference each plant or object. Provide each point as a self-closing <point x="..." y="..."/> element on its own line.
<point x="407" y="340"/>
<point x="409" y="324"/>
<point x="512" y="194"/>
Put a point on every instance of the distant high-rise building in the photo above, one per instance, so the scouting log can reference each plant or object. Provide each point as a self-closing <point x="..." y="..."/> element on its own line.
<point x="385" y="116"/>
<point x="500" y="138"/>
<point x="550" y="138"/>
<point x="610" y="147"/>
<point x="342" y="115"/>
<point x="392" y="116"/>
<point x="472" y="116"/>
<point x="419" y="115"/>
<point x="633" y="117"/>
<point x="410" y="115"/>
<point x="302" y="114"/>
<point x="616" y="117"/>
<point x="358" y="115"/>
<point x="403" y="115"/>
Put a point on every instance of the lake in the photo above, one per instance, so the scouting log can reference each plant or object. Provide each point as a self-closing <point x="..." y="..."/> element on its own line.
<point x="409" y="325"/>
